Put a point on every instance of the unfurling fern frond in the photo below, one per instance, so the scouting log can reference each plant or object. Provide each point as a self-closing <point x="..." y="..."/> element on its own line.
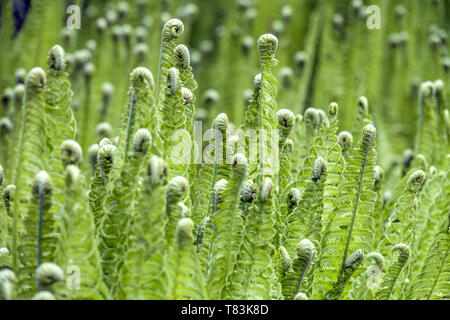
<point x="39" y="239"/>
<point x="100" y="180"/>
<point x="172" y="29"/>
<point x="352" y="263"/>
<point x="267" y="46"/>
<point x="119" y="205"/>
<point x="305" y="221"/>
<point x="142" y="275"/>
<point x="228" y="233"/>
<point x="390" y="279"/>
<point x="433" y="281"/>
<point x="78" y="246"/>
<point x="31" y="153"/>
<point x="351" y="223"/>
<point x="183" y="267"/>
<point x="254" y="255"/>
<point x="401" y="224"/>
<point x="294" y="278"/>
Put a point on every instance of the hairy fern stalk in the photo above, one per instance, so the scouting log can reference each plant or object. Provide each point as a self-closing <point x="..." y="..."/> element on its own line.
<point x="275" y="151"/>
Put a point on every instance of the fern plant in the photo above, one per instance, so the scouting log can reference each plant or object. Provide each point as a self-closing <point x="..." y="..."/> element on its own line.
<point x="242" y="162"/>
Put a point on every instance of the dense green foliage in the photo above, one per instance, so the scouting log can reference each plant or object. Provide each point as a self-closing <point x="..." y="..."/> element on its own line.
<point x="315" y="150"/>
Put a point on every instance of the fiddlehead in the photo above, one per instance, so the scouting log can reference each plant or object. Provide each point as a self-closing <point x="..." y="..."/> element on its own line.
<point x="142" y="275"/>
<point x="352" y="263"/>
<point x="100" y="179"/>
<point x="172" y="29"/>
<point x="31" y="153"/>
<point x="183" y="267"/>
<point x="296" y="272"/>
<point x="394" y="270"/>
<point x="38" y="242"/>
<point x="120" y="200"/>
<point x="254" y="255"/>
<point x="228" y="232"/>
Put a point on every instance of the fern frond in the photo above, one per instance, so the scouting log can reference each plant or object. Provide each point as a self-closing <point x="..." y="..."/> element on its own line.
<point x="228" y="233"/>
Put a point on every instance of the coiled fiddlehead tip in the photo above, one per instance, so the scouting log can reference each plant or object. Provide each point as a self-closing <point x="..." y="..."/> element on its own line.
<point x="289" y="146"/>
<point x="301" y="296"/>
<point x="354" y="260"/>
<point x="56" y="58"/>
<point x="143" y="74"/>
<point x="177" y="186"/>
<point x="92" y="154"/>
<point x="333" y="109"/>
<point x="221" y="122"/>
<point x="257" y="81"/>
<point x="439" y="87"/>
<point x="219" y="189"/>
<point x="311" y="117"/>
<point x="426" y="90"/>
<point x="363" y="104"/>
<point x="8" y="195"/>
<point x="19" y="91"/>
<point x="267" y="44"/>
<point x="239" y="159"/>
<point x="71" y="152"/>
<point x="377" y="258"/>
<point x="47" y="274"/>
<point x="141" y="34"/>
<point x="368" y="136"/>
<point x="19" y="76"/>
<point x="140" y="51"/>
<point x="107" y="90"/>
<point x="416" y="181"/>
<point x="266" y="190"/>
<point x="184" y="231"/>
<point x="379" y="174"/>
<point x="36" y="79"/>
<point x="300" y="58"/>
<point x="249" y="191"/>
<point x="433" y="170"/>
<point x="142" y="140"/>
<point x="210" y="97"/>
<point x="172" y="29"/>
<point x="104" y="142"/>
<point x="7" y="280"/>
<point x="72" y="175"/>
<point x="6" y="274"/>
<point x="408" y="156"/>
<point x="345" y="140"/>
<point x="286" y="76"/>
<point x="6" y="126"/>
<point x="183" y="57"/>
<point x="3" y="252"/>
<point x="105" y="152"/>
<point x="286" y="13"/>
<point x="187" y="94"/>
<point x="103" y="130"/>
<point x="101" y="24"/>
<point x="88" y="70"/>
<point x="172" y="80"/>
<point x="286" y="118"/>
<point x="319" y="169"/>
<point x="403" y="249"/>
<point x="43" y="295"/>
<point x="305" y="248"/>
<point x="293" y="197"/>
<point x="156" y="170"/>
<point x="42" y="182"/>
